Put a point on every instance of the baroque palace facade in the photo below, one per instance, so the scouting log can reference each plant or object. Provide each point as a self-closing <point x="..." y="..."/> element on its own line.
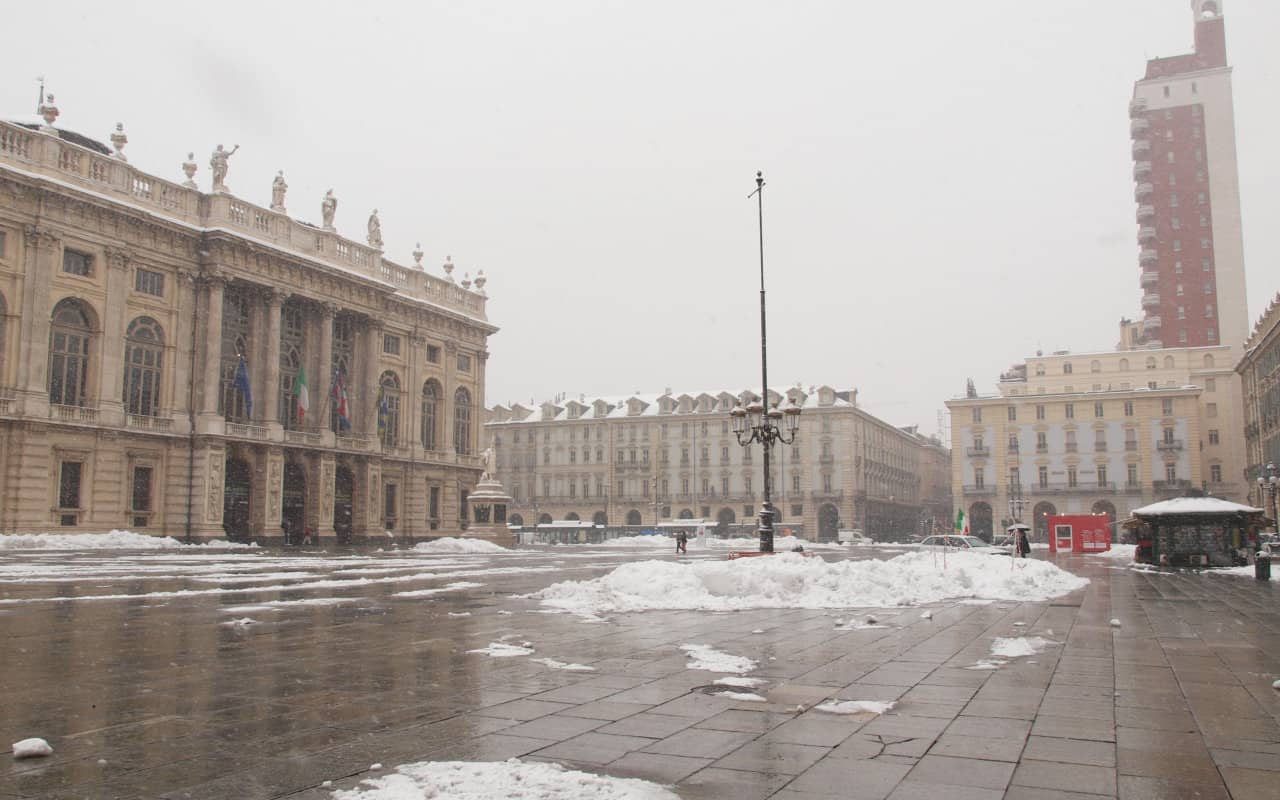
<point x="1100" y="433"/>
<point x="178" y="362"/>
<point x="639" y="459"/>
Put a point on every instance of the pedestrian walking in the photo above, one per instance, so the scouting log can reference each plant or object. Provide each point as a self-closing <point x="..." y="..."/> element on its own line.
<point x="682" y="542"/>
<point x="1024" y="545"/>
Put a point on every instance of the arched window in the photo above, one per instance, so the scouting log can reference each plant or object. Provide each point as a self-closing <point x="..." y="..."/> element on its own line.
<point x="143" y="367"/>
<point x="69" y="353"/>
<point x="430" y="414"/>
<point x="462" y="421"/>
<point x="1095" y="366"/>
<point x="1151" y="362"/>
<point x="235" y="343"/>
<point x="1168" y="362"/>
<point x="389" y="408"/>
<point x="1208" y="360"/>
<point x="291" y="349"/>
<point x="1124" y="364"/>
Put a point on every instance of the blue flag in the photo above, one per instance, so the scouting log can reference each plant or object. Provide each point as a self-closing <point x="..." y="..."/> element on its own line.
<point x="242" y="383"/>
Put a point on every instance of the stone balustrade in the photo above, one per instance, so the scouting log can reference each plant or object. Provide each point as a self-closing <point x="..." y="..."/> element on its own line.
<point x="50" y="157"/>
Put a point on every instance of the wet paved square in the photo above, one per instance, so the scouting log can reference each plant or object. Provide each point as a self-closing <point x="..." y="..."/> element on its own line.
<point x="180" y="674"/>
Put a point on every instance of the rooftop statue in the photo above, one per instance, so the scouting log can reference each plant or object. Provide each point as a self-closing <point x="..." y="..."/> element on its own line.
<point x="327" y="208"/>
<point x="218" y="163"/>
<point x="278" y="188"/>
<point x="375" y="230"/>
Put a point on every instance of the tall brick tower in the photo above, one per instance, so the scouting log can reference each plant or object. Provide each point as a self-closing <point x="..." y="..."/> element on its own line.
<point x="1188" y="192"/>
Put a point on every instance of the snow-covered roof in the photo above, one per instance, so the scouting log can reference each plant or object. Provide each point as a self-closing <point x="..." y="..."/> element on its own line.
<point x="1194" y="505"/>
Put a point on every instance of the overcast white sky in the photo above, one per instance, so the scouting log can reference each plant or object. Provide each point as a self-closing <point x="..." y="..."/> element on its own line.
<point x="949" y="183"/>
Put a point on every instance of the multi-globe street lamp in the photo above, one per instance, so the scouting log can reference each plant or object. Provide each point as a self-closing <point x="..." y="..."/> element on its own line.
<point x="1016" y="502"/>
<point x="754" y="423"/>
<point x="1268" y="487"/>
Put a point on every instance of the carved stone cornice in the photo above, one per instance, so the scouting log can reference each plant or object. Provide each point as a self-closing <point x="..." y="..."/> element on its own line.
<point x="214" y="276"/>
<point x="329" y="310"/>
<point x="38" y="236"/>
<point x="273" y="297"/>
<point x="118" y="257"/>
<point x="482" y="356"/>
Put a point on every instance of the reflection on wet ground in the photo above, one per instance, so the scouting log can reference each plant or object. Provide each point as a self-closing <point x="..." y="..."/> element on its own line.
<point x="262" y="674"/>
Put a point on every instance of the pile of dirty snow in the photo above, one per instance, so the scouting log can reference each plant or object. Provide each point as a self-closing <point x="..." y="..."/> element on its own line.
<point x="115" y="540"/>
<point x="464" y="780"/>
<point x="793" y="581"/>
<point x="451" y="544"/>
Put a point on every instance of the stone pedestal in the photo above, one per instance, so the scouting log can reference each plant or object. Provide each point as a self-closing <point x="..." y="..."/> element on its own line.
<point x="489" y="513"/>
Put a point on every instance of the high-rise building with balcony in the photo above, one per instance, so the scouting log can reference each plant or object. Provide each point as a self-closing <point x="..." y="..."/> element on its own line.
<point x="1186" y="186"/>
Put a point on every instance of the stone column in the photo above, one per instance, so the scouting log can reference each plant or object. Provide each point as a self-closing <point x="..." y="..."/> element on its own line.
<point x="411" y="402"/>
<point x="270" y="492"/>
<point x="114" y="325"/>
<point x="449" y="385"/>
<point x="211" y="375"/>
<point x="372" y="371"/>
<point x="270" y="414"/>
<point x="322" y="378"/>
<point x="207" y="506"/>
<point x="179" y="399"/>
<point x="324" y="490"/>
<point x="43" y="247"/>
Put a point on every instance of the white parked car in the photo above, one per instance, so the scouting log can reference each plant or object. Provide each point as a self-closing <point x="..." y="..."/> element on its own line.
<point x="971" y="543"/>
<point x="852" y="537"/>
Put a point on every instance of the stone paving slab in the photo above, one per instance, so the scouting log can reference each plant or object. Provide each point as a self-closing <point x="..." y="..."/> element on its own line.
<point x="146" y="699"/>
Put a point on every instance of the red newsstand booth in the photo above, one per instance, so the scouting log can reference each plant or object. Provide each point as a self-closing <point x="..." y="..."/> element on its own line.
<point x="1079" y="533"/>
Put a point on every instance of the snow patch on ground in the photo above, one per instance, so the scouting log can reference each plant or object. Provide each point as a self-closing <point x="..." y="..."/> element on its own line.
<point x="551" y="662"/>
<point x="750" y="697"/>
<point x="452" y="587"/>
<point x="452" y="544"/>
<point x="793" y="581"/>
<point x="500" y="650"/>
<point x="31" y="748"/>
<point x="114" y="540"/>
<point x="741" y="683"/>
<point x="704" y="656"/>
<point x="1118" y="552"/>
<point x="1019" y="646"/>
<point x="994" y="663"/>
<point x="461" y="780"/>
<point x="854" y="706"/>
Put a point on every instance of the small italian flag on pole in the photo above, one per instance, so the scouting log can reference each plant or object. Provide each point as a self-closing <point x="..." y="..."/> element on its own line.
<point x="300" y="392"/>
<point x="962" y="527"/>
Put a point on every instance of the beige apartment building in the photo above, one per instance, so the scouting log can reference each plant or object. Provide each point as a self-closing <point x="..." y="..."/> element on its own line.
<point x="1099" y="433"/>
<point x="178" y="362"/>
<point x="1260" y="373"/>
<point x="639" y="459"/>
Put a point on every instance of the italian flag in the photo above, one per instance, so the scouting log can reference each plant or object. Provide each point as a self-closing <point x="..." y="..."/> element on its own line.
<point x="962" y="527"/>
<point x="300" y="391"/>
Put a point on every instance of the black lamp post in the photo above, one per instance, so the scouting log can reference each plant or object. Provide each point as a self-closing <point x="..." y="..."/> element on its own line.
<point x="753" y="423"/>
<point x="1269" y="486"/>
